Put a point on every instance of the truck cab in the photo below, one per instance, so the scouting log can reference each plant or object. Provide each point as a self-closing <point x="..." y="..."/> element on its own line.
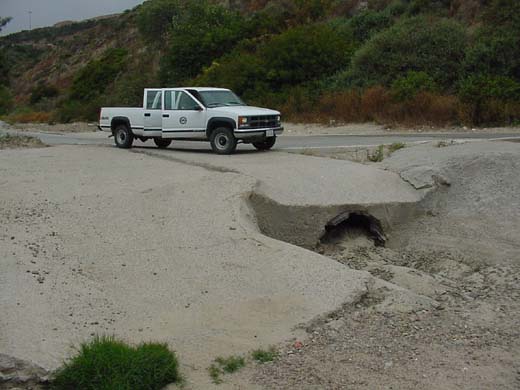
<point x="216" y="115"/>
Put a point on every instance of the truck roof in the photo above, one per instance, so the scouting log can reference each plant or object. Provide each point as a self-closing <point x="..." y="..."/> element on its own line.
<point x="199" y="89"/>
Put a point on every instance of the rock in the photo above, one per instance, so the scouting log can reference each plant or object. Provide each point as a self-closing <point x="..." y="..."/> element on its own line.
<point x="20" y="372"/>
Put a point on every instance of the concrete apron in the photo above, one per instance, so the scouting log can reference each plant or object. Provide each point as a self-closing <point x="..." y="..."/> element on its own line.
<point x="148" y="249"/>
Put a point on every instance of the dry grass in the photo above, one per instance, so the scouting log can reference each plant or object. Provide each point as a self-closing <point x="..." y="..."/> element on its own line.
<point x="377" y="104"/>
<point x="29" y="117"/>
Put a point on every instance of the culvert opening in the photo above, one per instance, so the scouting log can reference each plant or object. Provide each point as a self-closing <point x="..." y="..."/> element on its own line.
<point x="353" y="224"/>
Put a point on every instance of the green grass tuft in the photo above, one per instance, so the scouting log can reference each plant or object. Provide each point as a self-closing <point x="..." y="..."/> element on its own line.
<point x="214" y="373"/>
<point x="396" y="146"/>
<point x="263" y="356"/>
<point x="227" y="365"/>
<point x="231" y="364"/>
<point x="106" y="363"/>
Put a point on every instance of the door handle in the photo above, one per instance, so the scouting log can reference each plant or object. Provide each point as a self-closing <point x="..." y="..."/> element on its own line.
<point x="147" y="114"/>
<point x="166" y="115"/>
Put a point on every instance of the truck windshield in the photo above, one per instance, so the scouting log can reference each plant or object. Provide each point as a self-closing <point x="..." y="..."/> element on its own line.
<point x="220" y="98"/>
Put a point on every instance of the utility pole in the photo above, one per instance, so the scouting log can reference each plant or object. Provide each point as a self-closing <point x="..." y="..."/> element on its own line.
<point x="30" y="22"/>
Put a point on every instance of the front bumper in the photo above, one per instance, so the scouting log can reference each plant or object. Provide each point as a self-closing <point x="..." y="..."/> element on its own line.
<point x="258" y="133"/>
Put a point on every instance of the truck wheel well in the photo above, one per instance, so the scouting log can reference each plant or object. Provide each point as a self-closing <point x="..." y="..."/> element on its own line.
<point x="116" y="121"/>
<point x="215" y="123"/>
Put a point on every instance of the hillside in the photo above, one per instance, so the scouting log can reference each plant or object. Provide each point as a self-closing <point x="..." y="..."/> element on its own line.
<point x="403" y="61"/>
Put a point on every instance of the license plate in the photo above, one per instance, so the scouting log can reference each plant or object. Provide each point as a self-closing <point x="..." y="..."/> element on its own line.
<point x="269" y="133"/>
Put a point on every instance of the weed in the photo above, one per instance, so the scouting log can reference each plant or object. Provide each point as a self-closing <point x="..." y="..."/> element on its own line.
<point x="396" y="146"/>
<point x="231" y="364"/>
<point x="378" y="155"/>
<point x="107" y="363"/>
<point x="223" y="365"/>
<point x="264" y="356"/>
<point x="214" y="373"/>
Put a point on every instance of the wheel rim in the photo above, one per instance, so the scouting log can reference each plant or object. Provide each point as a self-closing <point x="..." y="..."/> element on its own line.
<point x="121" y="136"/>
<point x="221" y="141"/>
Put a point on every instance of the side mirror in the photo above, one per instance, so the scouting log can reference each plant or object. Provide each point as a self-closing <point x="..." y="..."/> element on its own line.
<point x="198" y="108"/>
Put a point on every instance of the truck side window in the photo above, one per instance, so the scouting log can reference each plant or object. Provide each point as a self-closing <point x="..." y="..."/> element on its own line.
<point x="153" y="100"/>
<point x="186" y="102"/>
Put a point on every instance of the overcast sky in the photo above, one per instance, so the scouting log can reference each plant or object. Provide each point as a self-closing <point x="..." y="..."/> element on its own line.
<point x="49" y="12"/>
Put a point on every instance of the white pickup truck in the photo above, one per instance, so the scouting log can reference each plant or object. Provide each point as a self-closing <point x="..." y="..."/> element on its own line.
<point x="216" y="115"/>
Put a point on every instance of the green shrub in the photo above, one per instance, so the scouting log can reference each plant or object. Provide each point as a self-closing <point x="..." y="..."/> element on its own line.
<point x="43" y="91"/>
<point x="490" y="99"/>
<point x="304" y="53"/>
<point x="366" y="23"/>
<point x="264" y="356"/>
<point x="495" y="51"/>
<point x="97" y="75"/>
<point x="409" y="85"/>
<point x="478" y="87"/>
<point x="294" y="58"/>
<point x="154" y="19"/>
<point x="434" y="46"/>
<point x="199" y="33"/>
<point x="106" y="363"/>
<point x="6" y="100"/>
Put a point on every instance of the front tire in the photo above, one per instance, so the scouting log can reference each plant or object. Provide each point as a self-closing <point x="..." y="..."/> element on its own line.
<point x="267" y="144"/>
<point x="223" y="141"/>
<point x="162" y="143"/>
<point x="123" y="137"/>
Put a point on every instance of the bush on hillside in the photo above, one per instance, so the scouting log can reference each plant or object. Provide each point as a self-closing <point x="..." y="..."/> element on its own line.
<point x="366" y="23"/>
<point x="495" y="51"/>
<point x="409" y="85"/>
<point x="199" y="33"/>
<point x="294" y="58"/>
<point x="43" y="91"/>
<point x="106" y="363"/>
<point x="6" y="100"/>
<point x="422" y="44"/>
<point x="154" y="19"/>
<point x="490" y="99"/>
<point x="97" y="75"/>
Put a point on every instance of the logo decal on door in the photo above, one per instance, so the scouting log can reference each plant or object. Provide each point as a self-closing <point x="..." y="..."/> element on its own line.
<point x="183" y="120"/>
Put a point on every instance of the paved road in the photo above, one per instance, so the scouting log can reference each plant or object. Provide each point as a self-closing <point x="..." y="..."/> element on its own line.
<point x="283" y="143"/>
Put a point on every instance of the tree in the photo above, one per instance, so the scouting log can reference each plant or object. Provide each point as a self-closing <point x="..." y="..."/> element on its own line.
<point x="4" y="21"/>
<point x="4" y="66"/>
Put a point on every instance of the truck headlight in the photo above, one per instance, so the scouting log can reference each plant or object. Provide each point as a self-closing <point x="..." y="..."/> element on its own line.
<point x="278" y="118"/>
<point x="242" y="121"/>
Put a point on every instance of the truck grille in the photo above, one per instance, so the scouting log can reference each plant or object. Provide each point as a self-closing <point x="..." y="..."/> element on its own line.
<point x="262" y="121"/>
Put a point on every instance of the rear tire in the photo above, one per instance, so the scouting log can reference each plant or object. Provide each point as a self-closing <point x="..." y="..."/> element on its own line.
<point x="267" y="144"/>
<point x="223" y="141"/>
<point x="162" y="143"/>
<point x="123" y="137"/>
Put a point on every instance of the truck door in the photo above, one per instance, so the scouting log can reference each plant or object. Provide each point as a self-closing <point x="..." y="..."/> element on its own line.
<point x="152" y="113"/>
<point x="182" y="116"/>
